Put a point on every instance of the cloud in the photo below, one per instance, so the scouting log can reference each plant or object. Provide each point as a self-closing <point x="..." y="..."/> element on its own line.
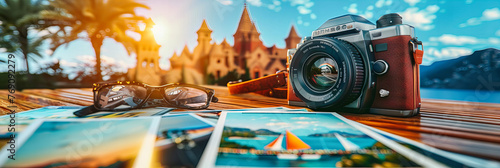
<point x="313" y="16"/>
<point x="433" y="54"/>
<point x="493" y="40"/>
<point x="450" y="39"/>
<point x="278" y="124"/>
<point x="301" y="22"/>
<point x="491" y="14"/>
<point x="421" y="19"/>
<point x="352" y="8"/>
<point x="412" y="2"/>
<point x="432" y="8"/>
<point x="68" y="64"/>
<point x="382" y="3"/>
<point x="301" y="118"/>
<point x="254" y="2"/>
<point x="303" y="10"/>
<point x="303" y="6"/>
<point x="306" y="122"/>
<point x="488" y="15"/>
<point x="367" y="15"/>
<point x="468" y="1"/>
<point x="276" y="2"/>
<point x="225" y="2"/>
<point x="497" y="33"/>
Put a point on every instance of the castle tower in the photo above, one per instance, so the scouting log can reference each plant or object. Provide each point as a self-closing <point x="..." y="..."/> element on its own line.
<point x="246" y="38"/>
<point x="204" y="37"/>
<point x="148" y="67"/>
<point x="293" y="38"/>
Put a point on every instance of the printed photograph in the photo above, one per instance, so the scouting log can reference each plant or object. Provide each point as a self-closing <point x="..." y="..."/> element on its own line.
<point x="85" y="143"/>
<point x="62" y="112"/>
<point x="300" y="140"/>
<point x="181" y="140"/>
<point x="188" y="123"/>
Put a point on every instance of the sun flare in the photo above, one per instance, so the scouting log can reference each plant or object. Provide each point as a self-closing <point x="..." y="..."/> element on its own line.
<point x="159" y="29"/>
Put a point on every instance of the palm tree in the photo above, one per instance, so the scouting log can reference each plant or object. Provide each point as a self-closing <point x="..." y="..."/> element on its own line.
<point x="16" y="17"/>
<point x="97" y="19"/>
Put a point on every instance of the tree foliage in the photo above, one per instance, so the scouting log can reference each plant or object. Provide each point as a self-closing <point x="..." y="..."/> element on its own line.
<point x="95" y="20"/>
<point x="17" y="18"/>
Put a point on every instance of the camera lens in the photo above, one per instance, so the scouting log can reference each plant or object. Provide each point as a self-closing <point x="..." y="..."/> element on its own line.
<point x="327" y="72"/>
<point x="322" y="73"/>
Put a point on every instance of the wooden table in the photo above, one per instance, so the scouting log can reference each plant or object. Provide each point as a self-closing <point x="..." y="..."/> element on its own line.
<point x="462" y="127"/>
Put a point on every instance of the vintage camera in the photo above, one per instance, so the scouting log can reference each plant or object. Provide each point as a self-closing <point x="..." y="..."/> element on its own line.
<point x="349" y="64"/>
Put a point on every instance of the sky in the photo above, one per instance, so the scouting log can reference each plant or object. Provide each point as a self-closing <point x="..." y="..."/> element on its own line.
<point x="448" y="28"/>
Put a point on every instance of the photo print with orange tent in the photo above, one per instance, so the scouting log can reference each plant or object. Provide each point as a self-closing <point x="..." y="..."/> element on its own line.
<point x="298" y="139"/>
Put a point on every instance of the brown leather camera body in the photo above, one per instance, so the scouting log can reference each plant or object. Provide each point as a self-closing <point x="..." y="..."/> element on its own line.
<point x="381" y="65"/>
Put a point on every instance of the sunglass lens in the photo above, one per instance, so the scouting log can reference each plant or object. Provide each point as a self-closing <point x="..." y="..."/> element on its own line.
<point x="120" y="97"/>
<point x="187" y="97"/>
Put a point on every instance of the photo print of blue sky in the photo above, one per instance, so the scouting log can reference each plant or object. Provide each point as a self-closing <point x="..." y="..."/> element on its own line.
<point x="448" y="28"/>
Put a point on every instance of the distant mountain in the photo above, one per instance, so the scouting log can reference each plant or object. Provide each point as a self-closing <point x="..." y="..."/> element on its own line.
<point x="332" y="134"/>
<point x="478" y="71"/>
<point x="266" y="132"/>
<point x="245" y="132"/>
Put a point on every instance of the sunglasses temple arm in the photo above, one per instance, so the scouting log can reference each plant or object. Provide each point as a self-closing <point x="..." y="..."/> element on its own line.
<point x="215" y="99"/>
<point x="86" y="111"/>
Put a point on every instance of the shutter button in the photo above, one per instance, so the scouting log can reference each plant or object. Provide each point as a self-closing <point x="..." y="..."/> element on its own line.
<point x="380" y="67"/>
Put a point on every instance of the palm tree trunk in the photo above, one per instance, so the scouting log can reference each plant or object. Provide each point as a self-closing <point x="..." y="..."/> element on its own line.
<point x="23" y="39"/>
<point x="96" y="44"/>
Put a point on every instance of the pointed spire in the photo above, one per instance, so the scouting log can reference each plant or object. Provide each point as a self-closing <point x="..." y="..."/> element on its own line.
<point x="204" y="27"/>
<point x="147" y="36"/>
<point x="224" y="43"/>
<point x="293" y="32"/>
<point x="186" y="49"/>
<point x="245" y="24"/>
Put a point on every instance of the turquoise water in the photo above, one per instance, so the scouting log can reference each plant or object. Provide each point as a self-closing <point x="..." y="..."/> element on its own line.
<point x="461" y="95"/>
<point x="271" y="161"/>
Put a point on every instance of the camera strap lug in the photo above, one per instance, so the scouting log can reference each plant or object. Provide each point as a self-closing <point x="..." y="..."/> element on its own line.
<point x="417" y="53"/>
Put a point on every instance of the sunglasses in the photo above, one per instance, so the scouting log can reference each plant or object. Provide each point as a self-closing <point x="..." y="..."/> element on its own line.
<point x="128" y="95"/>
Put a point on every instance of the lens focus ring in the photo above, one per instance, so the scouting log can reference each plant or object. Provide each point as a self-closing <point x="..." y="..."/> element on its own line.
<point x="359" y="74"/>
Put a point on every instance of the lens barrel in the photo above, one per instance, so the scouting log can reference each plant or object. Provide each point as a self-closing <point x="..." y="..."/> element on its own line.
<point x="327" y="73"/>
<point x="389" y="20"/>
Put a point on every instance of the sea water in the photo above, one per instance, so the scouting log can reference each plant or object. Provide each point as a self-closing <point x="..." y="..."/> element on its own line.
<point x="484" y="96"/>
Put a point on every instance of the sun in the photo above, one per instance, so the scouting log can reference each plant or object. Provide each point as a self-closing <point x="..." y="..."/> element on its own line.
<point x="159" y="29"/>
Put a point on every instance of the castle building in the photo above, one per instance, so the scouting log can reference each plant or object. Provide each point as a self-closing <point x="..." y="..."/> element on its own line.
<point x="248" y="51"/>
<point x="147" y="69"/>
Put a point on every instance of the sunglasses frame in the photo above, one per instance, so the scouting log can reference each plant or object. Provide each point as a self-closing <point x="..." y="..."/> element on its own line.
<point x="150" y="89"/>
